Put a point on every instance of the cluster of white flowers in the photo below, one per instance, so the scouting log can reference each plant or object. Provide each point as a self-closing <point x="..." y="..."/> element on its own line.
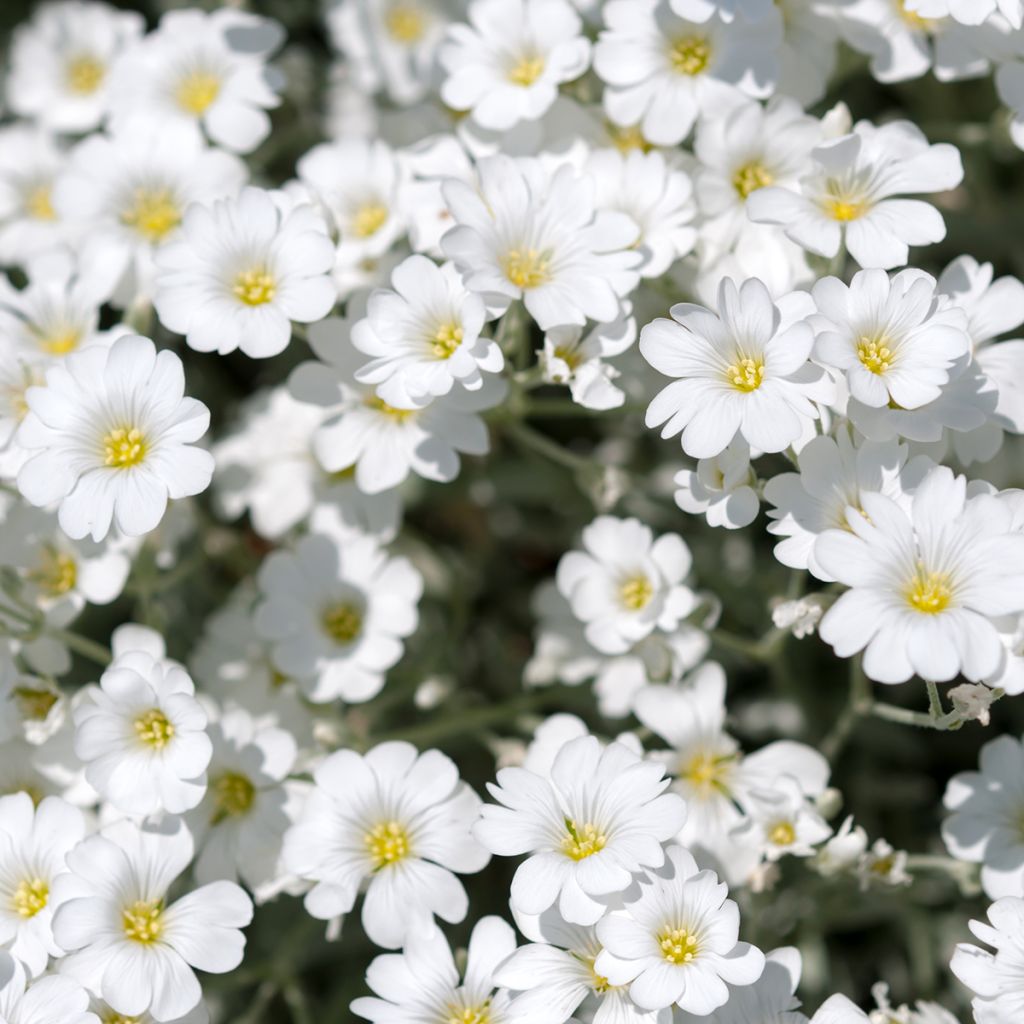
<point x="497" y="217"/>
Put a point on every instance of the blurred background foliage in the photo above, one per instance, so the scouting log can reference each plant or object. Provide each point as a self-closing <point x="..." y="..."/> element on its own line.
<point x="486" y="541"/>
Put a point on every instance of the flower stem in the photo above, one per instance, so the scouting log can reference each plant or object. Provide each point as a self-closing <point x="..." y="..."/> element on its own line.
<point x="83" y="645"/>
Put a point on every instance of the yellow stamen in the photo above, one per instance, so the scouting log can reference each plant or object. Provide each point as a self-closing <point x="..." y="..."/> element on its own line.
<point x="745" y="374"/>
<point x="369" y="219"/>
<point x="153" y="213"/>
<point x="627" y="139"/>
<point x="30" y="897"/>
<point x="197" y="91"/>
<point x="154" y="729"/>
<point x="401" y="415"/>
<point x="690" y="55"/>
<point x="526" y="71"/>
<point x="124" y="447"/>
<point x="845" y="210"/>
<point x="750" y="177"/>
<point x="782" y="834"/>
<point x="636" y="592"/>
<point x="528" y="268"/>
<point x="678" y="945"/>
<point x="387" y="843"/>
<point x="929" y="592"/>
<point x="405" y="24"/>
<point x="913" y="19"/>
<point x="34" y="704"/>
<point x="39" y="202"/>
<point x="84" y="74"/>
<point x="447" y="338"/>
<point x="233" y="796"/>
<point x="874" y="354"/>
<point x="342" y="622"/>
<point x="142" y="922"/>
<point x="254" y="287"/>
<point x="470" y="1014"/>
<point x="56" y="574"/>
<point x="583" y="840"/>
<point x="707" y="771"/>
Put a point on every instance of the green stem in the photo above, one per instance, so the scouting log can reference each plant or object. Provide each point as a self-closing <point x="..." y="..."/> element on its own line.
<point x="297" y="1003"/>
<point x="83" y="645"/>
<point x="527" y="437"/>
<point x="934" y="700"/>
<point x="764" y="649"/>
<point x="859" y="704"/>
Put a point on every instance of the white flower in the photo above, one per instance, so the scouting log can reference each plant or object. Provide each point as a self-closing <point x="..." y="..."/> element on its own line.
<point x="505" y="66"/>
<point x="894" y="339"/>
<point x="398" y="822"/>
<point x="770" y="1000"/>
<point x="781" y="821"/>
<point x="599" y="818"/>
<point x="744" y="370"/>
<point x="127" y="193"/>
<point x="661" y="70"/>
<point x="238" y="272"/>
<point x="722" y="489"/>
<point x="655" y="195"/>
<point x="969" y="12"/>
<point x="839" y="1010"/>
<point x="843" y="852"/>
<point x="361" y="185"/>
<point x="926" y="584"/>
<point x="625" y="584"/>
<point x="883" y="865"/>
<point x="528" y="234"/>
<point x="33" y="844"/>
<point x="30" y="707"/>
<point x="50" y="1000"/>
<point x="202" y="69"/>
<point x="109" y="437"/>
<point x="61" y="61"/>
<point x="988" y="808"/>
<point x="800" y="616"/>
<point x="141" y="734"/>
<point x="423" y="982"/>
<point x="380" y="444"/>
<point x="675" y="942"/>
<point x="336" y="612"/>
<point x="575" y="357"/>
<point x="424" y="335"/>
<point x="833" y="476"/>
<point x="133" y="948"/>
<point x="995" y="978"/>
<point x="848" y="198"/>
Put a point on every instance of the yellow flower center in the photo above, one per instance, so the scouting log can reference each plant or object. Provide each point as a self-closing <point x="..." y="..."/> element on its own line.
<point x="599" y="982"/>
<point x="153" y="213"/>
<point x="142" y="921"/>
<point x="369" y="219"/>
<point x="750" y="177"/>
<point x="690" y="55"/>
<point x="56" y="574"/>
<point x="636" y="592"/>
<point x="153" y="729"/>
<point x="583" y="840"/>
<point x="387" y="843"/>
<point x="405" y="24"/>
<point x="875" y="355"/>
<point x="39" y="202"/>
<point x="84" y="75"/>
<point x="60" y="340"/>
<point x="627" y="139"/>
<point x="526" y="71"/>
<point x="254" y="287"/>
<point x="782" y="834"/>
<point x="745" y="374"/>
<point x="30" y="897"/>
<point x="841" y="206"/>
<point x="913" y="19"/>
<point x="196" y="91"/>
<point x="470" y="1014"/>
<point x="678" y="945"/>
<point x="124" y="447"/>
<point x="233" y="795"/>
<point x="707" y="771"/>
<point x="34" y="704"/>
<point x="929" y="592"/>
<point x="401" y="415"/>
<point x="113" y="1017"/>
<point x="572" y="357"/>
<point x="528" y="268"/>
<point x="447" y="338"/>
<point x="342" y="622"/>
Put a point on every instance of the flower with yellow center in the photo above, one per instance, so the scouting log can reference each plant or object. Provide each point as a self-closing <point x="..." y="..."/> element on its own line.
<point x="678" y="945"/>
<point x="113" y="1017"/>
<point x="342" y="622"/>
<point x="406" y="23"/>
<point x="233" y="796"/>
<point x="30" y="897"/>
<point x="528" y="268"/>
<point x="782" y="833"/>
<point x="913" y="19"/>
<point x="690" y="55"/>
<point x="399" y="415"/>
<point x="56" y="573"/>
<point x="636" y="592"/>
<point x="153" y="212"/>
<point x="123" y="448"/>
<point x="368" y="219"/>
<point x="254" y="287"/>
<point x="446" y="339"/>
<point x="874" y="354"/>
<point x="197" y="90"/>
<point x="59" y="340"/>
<point x="625" y="140"/>
<point x="480" y="1014"/>
<point x="707" y="771"/>
<point x="387" y="843"/>
<point x="526" y="70"/>
<point x="929" y="592"/>
<point x="583" y="840"/>
<point x="745" y="374"/>
<point x="843" y="203"/>
<point x="750" y="177"/>
<point x="84" y="74"/>
<point x="154" y="729"/>
<point x="38" y="201"/>
<point x="33" y="703"/>
<point x="142" y="921"/>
